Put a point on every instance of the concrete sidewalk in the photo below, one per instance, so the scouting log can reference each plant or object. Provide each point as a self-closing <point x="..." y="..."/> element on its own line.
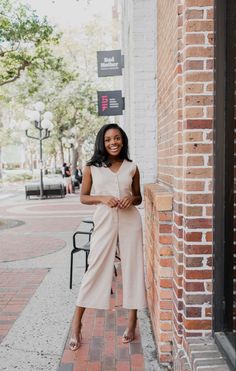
<point x="36" y="304"/>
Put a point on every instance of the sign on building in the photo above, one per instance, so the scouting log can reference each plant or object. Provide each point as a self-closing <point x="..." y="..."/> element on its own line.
<point x="110" y="103"/>
<point x="110" y="63"/>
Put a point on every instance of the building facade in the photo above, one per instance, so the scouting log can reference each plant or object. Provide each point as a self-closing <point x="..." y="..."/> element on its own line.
<point x="140" y="85"/>
<point x="189" y="208"/>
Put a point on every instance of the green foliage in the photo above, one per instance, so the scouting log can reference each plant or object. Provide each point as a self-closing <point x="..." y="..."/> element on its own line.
<point x="25" y="42"/>
<point x="59" y="70"/>
<point x="18" y="177"/>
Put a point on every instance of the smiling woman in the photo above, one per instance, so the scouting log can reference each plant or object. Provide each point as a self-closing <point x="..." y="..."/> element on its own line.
<point x="117" y="227"/>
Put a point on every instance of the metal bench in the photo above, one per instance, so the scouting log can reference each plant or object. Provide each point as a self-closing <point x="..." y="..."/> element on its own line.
<point x="84" y="246"/>
<point x="49" y="190"/>
<point x="81" y="247"/>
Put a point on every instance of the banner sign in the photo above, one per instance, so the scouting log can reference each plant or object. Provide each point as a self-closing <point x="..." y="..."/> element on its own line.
<point x="110" y="63"/>
<point x="110" y="103"/>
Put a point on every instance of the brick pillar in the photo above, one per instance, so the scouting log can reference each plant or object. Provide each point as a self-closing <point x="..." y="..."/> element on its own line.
<point x="192" y="227"/>
<point x="184" y="150"/>
<point x="158" y="222"/>
<point x="198" y="51"/>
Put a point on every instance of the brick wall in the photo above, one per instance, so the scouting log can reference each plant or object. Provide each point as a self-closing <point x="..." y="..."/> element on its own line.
<point x="158" y="221"/>
<point x="184" y="148"/>
<point x="167" y="94"/>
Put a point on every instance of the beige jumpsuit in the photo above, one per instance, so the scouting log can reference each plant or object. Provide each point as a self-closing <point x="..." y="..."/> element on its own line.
<point x="113" y="225"/>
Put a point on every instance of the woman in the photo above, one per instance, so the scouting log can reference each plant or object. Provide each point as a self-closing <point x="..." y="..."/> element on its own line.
<point x="115" y="179"/>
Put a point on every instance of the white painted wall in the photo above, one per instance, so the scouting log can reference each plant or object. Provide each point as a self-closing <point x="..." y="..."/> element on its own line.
<point x="139" y="20"/>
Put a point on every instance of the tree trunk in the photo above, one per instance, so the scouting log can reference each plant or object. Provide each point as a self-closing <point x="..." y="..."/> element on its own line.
<point x="62" y="153"/>
<point x="75" y="157"/>
<point x="55" y="163"/>
<point x="79" y="151"/>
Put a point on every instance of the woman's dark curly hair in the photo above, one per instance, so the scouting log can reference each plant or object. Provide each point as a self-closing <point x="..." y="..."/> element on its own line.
<point x="100" y="156"/>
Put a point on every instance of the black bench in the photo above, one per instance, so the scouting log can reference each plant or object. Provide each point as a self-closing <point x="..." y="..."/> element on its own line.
<point x="49" y="190"/>
<point x="83" y="246"/>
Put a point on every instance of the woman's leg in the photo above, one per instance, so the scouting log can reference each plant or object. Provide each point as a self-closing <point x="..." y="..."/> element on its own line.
<point x="75" y="340"/>
<point x="129" y="333"/>
<point x="70" y="187"/>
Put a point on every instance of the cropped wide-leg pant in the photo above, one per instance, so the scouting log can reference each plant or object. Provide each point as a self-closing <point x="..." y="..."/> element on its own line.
<point x="113" y="225"/>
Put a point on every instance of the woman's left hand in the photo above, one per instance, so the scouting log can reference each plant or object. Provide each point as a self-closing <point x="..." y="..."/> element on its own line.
<point x="125" y="202"/>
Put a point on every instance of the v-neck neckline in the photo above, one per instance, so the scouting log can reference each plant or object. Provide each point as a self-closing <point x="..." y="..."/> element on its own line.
<point x="116" y="172"/>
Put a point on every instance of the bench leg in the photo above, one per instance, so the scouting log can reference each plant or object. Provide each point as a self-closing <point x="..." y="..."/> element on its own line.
<point x="86" y="260"/>
<point x="71" y="268"/>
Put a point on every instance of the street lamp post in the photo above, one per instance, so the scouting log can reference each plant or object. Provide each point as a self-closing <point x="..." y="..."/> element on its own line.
<point x="69" y="143"/>
<point x="42" y="122"/>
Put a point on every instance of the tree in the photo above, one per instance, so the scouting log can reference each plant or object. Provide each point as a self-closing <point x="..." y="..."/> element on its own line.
<point x="25" y="42"/>
<point x="75" y="116"/>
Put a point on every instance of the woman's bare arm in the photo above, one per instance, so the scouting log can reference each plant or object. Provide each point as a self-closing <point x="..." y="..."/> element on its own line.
<point x="136" y="197"/>
<point x="136" y="188"/>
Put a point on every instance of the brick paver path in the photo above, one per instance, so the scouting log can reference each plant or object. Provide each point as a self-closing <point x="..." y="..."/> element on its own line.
<point x="16" y="247"/>
<point x="16" y="288"/>
<point x="102" y="348"/>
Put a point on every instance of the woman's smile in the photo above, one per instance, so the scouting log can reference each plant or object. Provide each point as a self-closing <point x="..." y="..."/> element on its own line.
<point x="113" y="142"/>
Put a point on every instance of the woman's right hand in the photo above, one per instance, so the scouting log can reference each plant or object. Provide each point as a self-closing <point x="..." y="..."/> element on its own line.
<point x="110" y="201"/>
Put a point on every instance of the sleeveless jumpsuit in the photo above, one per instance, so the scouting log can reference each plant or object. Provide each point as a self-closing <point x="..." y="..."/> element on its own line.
<point x="114" y="228"/>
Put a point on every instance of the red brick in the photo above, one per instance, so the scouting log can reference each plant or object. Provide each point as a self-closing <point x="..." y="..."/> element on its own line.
<point x="198" y="274"/>
<point x="199" y="26"/>
<point x="208" y="312"/>
<point x="165" y="358"/>
<point x="166" y="251"/>
<point x="137" y="360"/>
<point x="193" y="88"/>
<point x="199" y="124"/>
<point x="165" y="216"/>
<point x="209" y="236"/>
<point x="166" y="315"/>
<point x="195" y="112"/>
<point x="201" y="198"/>
<point x="193" y="262"/>
<point x="165" y="325"/>
<point x="199" y="100"/>
<point x="199" y="173"/>
<point x="199" y="223"/>
<point x="193" y="236"/>
<point x="165" y="228"/>
<point x="194" y="185"/>
<point x="165" y="239"/>
<point x="166" y="304"/>
<point x="198" y="249"/>
<point x="193" y="312"/>
<point x="194" y="286"/>
<point x="165" y="262"/>
<point x="198" y="3"/>
<point x="193" y="211"/>
<point x="192" y="39"/>
<point x="197" y="324"/>
<point x="122" y="366"/>
<point x="194" y="14"/>
<point x="194" y="65"/>
<point x="199" y="76"/>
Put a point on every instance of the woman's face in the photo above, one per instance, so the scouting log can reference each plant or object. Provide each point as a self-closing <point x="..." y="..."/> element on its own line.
<point x="113" y="142"/>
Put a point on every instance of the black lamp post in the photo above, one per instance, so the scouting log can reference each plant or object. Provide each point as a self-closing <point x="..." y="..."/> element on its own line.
<point x="44" y="126"/>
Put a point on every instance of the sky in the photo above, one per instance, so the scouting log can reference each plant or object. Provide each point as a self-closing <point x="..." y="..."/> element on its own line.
<point x="72" y="12"/>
